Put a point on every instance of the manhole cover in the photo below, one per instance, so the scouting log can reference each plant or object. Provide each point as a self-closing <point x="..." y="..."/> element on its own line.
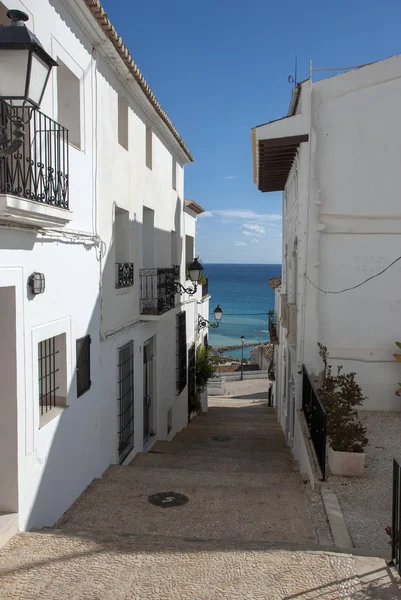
<point x="168" y="499"/>
<point x="221" y="438"/>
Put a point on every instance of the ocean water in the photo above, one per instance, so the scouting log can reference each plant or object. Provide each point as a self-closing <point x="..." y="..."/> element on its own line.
<point x="245" y="297"/>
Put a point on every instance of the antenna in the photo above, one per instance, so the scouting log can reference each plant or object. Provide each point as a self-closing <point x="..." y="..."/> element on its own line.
<point x="293" y="79"/>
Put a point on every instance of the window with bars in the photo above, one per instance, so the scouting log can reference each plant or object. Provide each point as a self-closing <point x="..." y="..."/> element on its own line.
<point x="181" y="352"/>
<point x="126" y="400"/>
<point x="51" y="376"/>
<point x="83" y="365"/>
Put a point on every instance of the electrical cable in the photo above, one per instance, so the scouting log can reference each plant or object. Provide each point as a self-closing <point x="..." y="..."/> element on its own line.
<point x="354" y="286"/>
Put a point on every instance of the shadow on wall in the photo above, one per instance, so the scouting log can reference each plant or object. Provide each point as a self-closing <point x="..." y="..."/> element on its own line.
<point x="78" y="444"/>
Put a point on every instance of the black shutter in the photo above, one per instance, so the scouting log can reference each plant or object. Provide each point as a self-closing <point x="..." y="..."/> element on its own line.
<point x="83" y="365"/>
<point x="181" y="352"/>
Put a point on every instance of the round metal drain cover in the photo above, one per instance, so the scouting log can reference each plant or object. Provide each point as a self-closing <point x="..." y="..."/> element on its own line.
<point x="168" y="499"/>
<point x="221" y="438"/>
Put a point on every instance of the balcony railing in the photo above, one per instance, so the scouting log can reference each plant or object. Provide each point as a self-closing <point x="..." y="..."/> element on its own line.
<point x="316" y="418"/>
<point x="157" y="290"/>
<point x="33" y="157"/>
<point x="205" y="287"/>
<point x="272" y="326"/>
<point x="124" y="274"/>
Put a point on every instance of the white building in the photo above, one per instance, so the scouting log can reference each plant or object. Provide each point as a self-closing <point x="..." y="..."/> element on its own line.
<point x="336" y="156"/>
<point x="94" y="369"/>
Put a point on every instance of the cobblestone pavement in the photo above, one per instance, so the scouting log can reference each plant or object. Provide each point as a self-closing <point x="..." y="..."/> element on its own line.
<point x="246" y="532"/>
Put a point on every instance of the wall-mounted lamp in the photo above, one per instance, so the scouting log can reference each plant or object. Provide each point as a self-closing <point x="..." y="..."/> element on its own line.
<point x="36" y="283"/>
<point x="24" y="64"/>
<point x="195" y="273"/>
<point x="203" y="323"/>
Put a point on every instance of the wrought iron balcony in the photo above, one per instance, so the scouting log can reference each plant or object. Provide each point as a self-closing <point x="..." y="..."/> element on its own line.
<point x="124" y="275"/>
<point x="205" y="287"/>
<point x="33" y="157"/>
<point x="272" y="326"/>
<point x="157" y="290"/>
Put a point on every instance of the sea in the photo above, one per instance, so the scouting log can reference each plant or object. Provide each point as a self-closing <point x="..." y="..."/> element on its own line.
<point x="245" y="297"/>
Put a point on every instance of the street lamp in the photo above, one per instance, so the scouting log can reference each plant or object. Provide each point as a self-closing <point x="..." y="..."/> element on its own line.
<point x="195" y="274"/>
<point x="24" y="64"/>
<point x="202" y="322"/>
<point x="242" y="357"/>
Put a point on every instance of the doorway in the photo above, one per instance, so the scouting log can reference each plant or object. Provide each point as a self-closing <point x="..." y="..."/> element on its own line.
<point x="8" y="421"/>
<point x="126" y="400"/>
<point x="148" y="390"/>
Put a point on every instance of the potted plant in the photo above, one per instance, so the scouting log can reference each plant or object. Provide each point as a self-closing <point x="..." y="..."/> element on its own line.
<point x="341" y="394"/>
<point x="199" y="374"/>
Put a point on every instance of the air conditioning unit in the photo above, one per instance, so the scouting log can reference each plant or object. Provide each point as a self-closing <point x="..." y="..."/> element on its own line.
<point x="283" y="311"/>
<point x="292" y="324"/>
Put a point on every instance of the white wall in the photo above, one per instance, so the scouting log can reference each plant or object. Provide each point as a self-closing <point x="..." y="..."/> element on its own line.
<point x="341" y="206"/>
<point x="58" y="460"/>
<point x="356" y="167"/>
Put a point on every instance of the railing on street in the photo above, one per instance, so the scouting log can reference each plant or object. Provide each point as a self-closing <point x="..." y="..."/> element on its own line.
<point x="316" y="418"/>
<point x="272" y="327"/>
<point x="33" y="156"/>
<point x="157" y="290"/>
<point x="396" y="525"/>
<point x="205" y="287"/>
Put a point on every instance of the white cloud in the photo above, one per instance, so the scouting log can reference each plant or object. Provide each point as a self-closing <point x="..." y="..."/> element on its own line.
<point x="255" y="228"/>
<point x="241" y="244"/>
<point x="248" y="233"/>
<point x="229" y="177"/>
<point x="246" y="214"/>
<point x="279" y="235"/>
<point x="254" y="241"/>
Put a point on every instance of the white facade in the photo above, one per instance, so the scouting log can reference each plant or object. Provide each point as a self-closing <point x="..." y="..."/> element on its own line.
<point x="126" y="205"/>
<point x="338" y="150"/>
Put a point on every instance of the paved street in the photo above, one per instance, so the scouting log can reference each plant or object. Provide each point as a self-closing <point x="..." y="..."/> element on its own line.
<point x="245" y="532"/>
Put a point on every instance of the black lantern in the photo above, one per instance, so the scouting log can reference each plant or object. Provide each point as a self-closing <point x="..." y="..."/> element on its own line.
<point x="195" y="271"/>
<point x="36" y="283"/>
<point x="202" y="322"/>
<point x="195" y="274"/>
<point x="24" y="64"/>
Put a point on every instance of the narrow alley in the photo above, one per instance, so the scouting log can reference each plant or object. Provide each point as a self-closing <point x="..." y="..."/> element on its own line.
<point x="241" y="526"/>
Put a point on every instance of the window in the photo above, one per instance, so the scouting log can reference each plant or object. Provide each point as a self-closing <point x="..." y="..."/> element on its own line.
<point x="174" y="175"/>
<point x="124" y="268"/>
<point x="149" y="157"/>
<point x="126" y="400"/>
<point x="52" y="377"/>
<point x="83" y="365"/>
<point x="206" y="341"/>
<point x="123" y="122"/>
<point x="181" y="352"/>
<point x="189" y="250"/>
<point x="69" y="102"/>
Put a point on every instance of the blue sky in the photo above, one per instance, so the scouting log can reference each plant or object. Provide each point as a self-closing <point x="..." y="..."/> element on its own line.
<point x="219" y="68"/>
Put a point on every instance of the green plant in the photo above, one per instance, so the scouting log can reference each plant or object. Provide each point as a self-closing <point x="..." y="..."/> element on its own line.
<point x="340" y="394"/>
<point x="198" y="376"/>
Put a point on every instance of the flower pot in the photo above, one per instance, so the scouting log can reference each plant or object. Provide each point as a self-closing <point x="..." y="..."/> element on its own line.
<point x="346" y="464"/>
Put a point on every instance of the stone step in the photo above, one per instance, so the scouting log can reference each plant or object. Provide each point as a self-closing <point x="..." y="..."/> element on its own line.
<point x="131" y="474"/>
<point x="8" y="527"/>
<point x="220" y="463"/>
<point x="212" y="512"/>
